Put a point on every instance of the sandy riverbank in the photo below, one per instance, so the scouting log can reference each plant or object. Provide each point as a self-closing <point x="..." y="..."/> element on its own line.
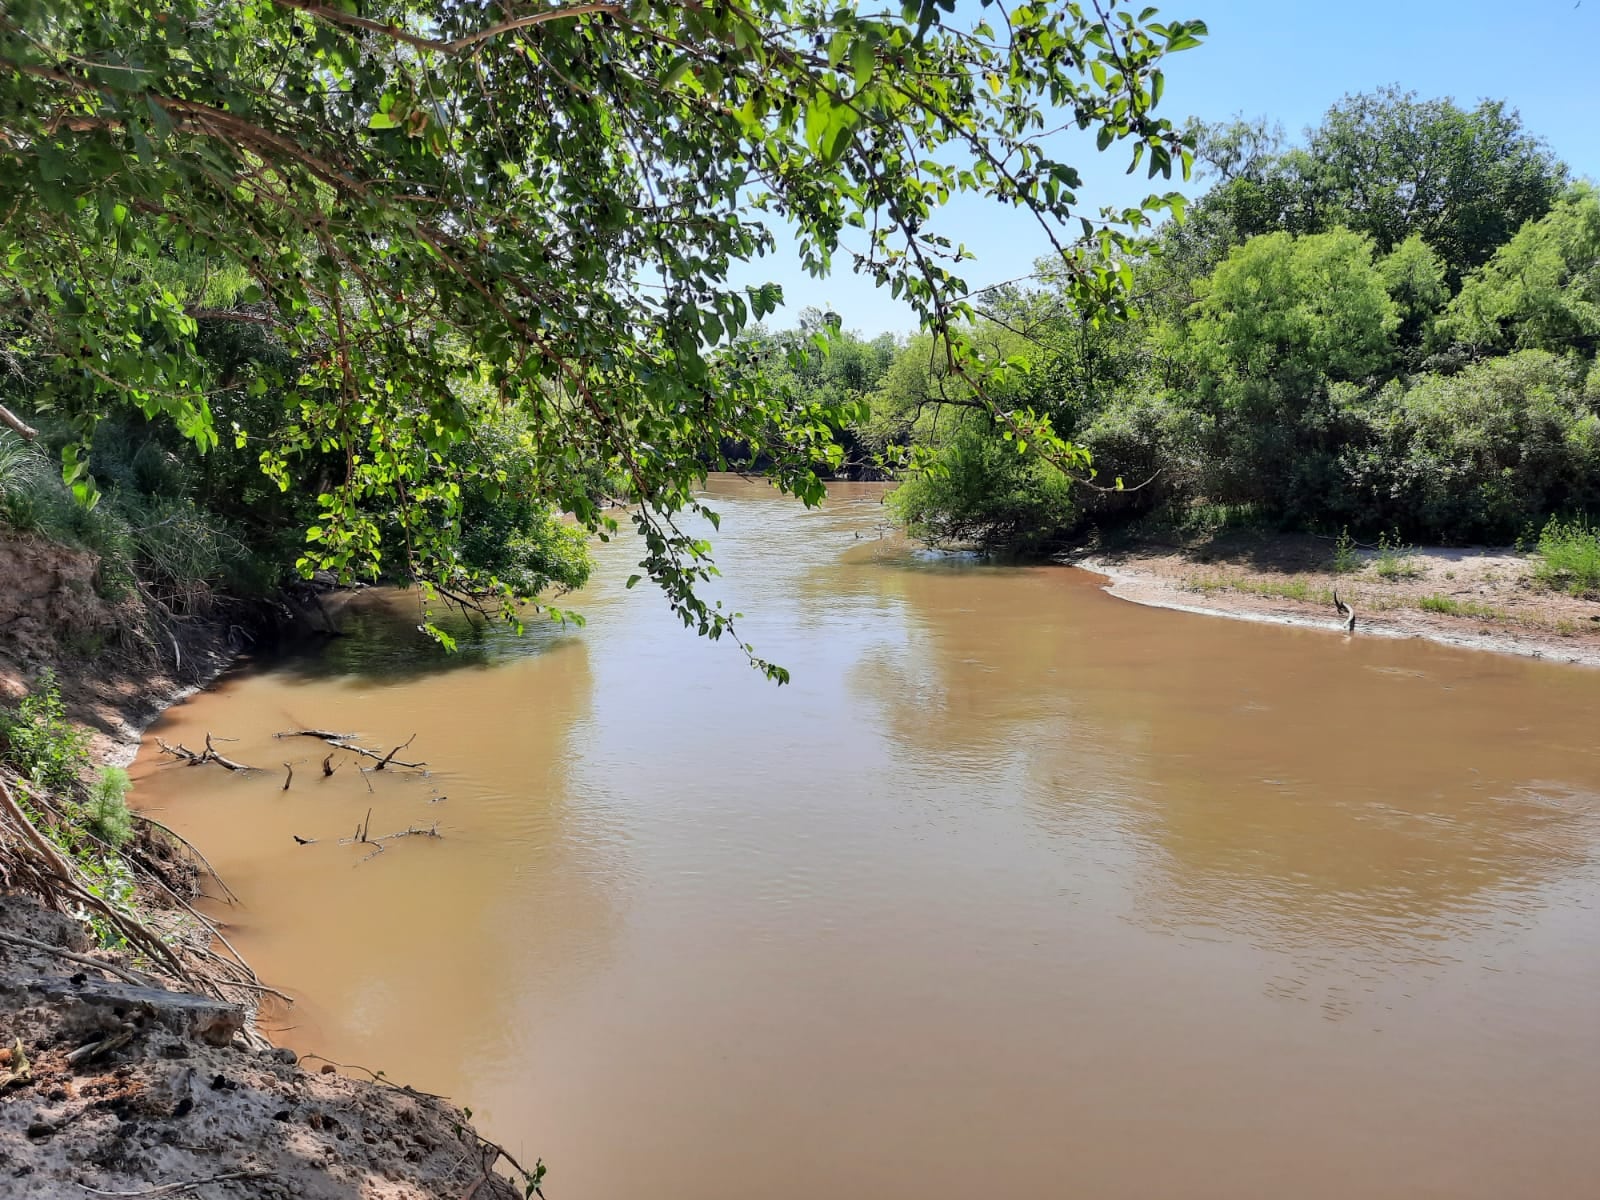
<point x="116" y="1078"/>
<point x="1481" y="598"/>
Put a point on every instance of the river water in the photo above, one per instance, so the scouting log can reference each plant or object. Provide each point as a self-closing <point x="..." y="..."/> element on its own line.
<point x="1018" y="890"/>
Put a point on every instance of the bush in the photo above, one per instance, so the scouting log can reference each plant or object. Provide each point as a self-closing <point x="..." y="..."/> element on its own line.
<point x="107" y="814"/>
<point x="1142" y="440"/>
<point x="1481" y="454"/>
<point x="980" y="492"/>
<point x="39" y="742"/>
<point x="1569" y="557"/>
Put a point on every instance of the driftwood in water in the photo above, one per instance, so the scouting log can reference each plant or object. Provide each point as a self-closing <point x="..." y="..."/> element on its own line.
<point x="289" y="778"/>
<point x="1345" y="611"/>
<point x="328" y="765"/>
<point x="363" y="836"/>
<point x="343" y="742"/>
<point x="209" y="754"/>
<point x="389" y="757"/>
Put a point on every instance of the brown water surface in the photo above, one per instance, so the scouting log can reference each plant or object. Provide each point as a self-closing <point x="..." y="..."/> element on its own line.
<point x="1017" y="891"/>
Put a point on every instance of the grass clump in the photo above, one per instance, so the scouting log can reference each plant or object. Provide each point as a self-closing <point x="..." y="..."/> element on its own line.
<point x="1569" y="557"/>
<point x="1452" y="607"/>
<point x="1288" y="589"/>
<point x="1346" y="558"/>
<point x="1395" y="560"/>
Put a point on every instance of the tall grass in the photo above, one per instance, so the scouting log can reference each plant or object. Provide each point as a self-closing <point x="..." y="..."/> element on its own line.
<point x="22" y="471"/>
<point x="1569" y="557"/>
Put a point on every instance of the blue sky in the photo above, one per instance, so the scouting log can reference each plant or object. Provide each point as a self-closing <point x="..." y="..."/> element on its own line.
<point x="1288" y="61"/>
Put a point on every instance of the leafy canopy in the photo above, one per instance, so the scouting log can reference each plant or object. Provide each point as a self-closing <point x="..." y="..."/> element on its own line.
<point x="539" y="203"/>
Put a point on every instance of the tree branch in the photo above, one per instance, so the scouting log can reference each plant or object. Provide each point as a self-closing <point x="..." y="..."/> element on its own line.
<point x="23" y="430"/>
<point x="334" y="17"/>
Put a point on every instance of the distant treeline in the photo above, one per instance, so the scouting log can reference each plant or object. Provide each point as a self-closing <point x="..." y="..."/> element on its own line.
<point x="1390" y="327"/>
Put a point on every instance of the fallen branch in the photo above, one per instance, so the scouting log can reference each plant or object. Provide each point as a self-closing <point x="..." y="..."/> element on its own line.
<point x="328" y="765"/>
<point x="173" y="1189"/>
<point x="65" y="879"/>
<point x="343" y="742"/>
<point x="221" y="761"/>
<point x="289" y="778"/>
<point x="363" y="836"/>
<point x="208" y="755"/>
<point x="384" y="761"/>
<point x="17" y="939"/>
<point x="93" y="1050"/>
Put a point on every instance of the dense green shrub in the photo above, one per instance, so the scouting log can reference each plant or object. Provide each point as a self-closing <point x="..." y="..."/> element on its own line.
<point x="1148" y="443"/>
<point x="1569" y="557"/>
<point x="981" y="493"/>
<point x="1481" y="454"/>
<point x="39" y="742"/>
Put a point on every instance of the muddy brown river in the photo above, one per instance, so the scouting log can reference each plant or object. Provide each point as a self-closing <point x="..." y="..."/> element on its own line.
<point x="1018" y="890"/>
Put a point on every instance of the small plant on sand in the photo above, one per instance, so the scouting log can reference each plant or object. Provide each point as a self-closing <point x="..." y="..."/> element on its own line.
<point x="1569" y="557"/>
<point x="1395" y="559"/>
<point x="1346" y="558"/>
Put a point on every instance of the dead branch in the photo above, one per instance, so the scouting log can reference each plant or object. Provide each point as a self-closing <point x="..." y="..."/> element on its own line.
<point x="289" y="778"/>
<point x="329" y="766"/>
<point x="93" y="1050"/>
<point x="17" y="939"/>
<point x="173" y="1189"/>
<point x="363" y="836"/>
<point x="384" y="761"/>
<point x="181" y="751"/>
<point x="221" y="761"/>
<point x="63" y="879"/>
<point x="23" y="430"/>
<point x="208" y="755"/>
<point x="343" y="742"/>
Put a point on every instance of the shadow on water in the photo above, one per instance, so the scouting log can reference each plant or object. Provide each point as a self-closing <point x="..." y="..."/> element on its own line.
<point x="381" y="641"/>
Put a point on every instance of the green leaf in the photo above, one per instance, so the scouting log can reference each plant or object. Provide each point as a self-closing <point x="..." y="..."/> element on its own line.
<point x="862" y="61"/>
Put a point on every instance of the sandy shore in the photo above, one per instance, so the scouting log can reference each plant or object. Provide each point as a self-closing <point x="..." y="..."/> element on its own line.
<point x="1481" y="598"/>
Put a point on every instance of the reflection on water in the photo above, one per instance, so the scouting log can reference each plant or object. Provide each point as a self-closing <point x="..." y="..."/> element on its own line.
<point x="1018" y="890"/>
<point x="380" y="640"/>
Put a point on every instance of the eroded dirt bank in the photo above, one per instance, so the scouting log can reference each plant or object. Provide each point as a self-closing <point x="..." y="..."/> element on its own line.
<point x="116" y="1079"/>
<point x="111" y="1088"/>
<point x="1481" y="598"/>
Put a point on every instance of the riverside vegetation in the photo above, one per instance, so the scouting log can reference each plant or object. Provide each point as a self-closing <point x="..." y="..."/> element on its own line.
<point x="1386" y="330"/>
<point x="293" y="292"/>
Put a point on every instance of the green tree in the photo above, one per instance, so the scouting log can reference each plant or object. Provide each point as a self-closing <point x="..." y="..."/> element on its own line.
<point x="1390" y="165"/>
<point x="1285" y="328"/>
<point x="1541" y="290"/>
<point x="543" y="199"/>
<point x="1415" y="278"/>
<point x="1303" y="307"/>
